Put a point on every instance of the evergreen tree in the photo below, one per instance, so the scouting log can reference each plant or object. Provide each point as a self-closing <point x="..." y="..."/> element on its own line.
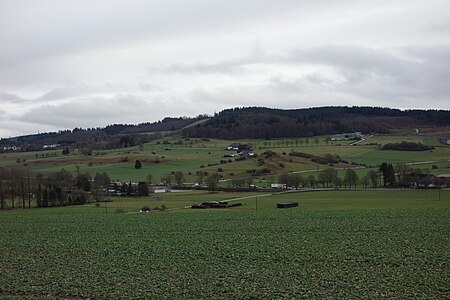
<point x="137" y="164"/>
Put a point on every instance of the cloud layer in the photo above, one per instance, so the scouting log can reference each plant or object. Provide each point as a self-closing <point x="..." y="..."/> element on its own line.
<point x="93" y="63"/>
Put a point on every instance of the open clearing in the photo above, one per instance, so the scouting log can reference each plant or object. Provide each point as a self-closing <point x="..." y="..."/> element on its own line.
<point x="349" y="244"/>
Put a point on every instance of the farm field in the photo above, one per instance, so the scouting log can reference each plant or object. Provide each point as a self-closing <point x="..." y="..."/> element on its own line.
<point x="339" y="244"/>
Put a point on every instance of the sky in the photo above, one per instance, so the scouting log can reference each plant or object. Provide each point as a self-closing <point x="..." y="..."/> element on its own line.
<point x="90" y="63"/>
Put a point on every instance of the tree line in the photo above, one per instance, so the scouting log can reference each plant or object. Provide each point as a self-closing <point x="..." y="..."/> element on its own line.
<point x="266" y="123"/>
<point x="387" y="175"/>
<point x="20" y="188"/>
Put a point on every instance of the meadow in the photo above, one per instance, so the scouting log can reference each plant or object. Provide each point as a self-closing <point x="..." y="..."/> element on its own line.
<point x="336" y="244"/>
<point x="162" y="157"/>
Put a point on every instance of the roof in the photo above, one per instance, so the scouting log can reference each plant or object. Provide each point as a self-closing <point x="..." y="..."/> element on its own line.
<point x="443" y="176"/>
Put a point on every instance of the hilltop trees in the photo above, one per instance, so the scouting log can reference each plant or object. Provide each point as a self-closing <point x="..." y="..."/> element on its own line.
<point x="261" y="122"/>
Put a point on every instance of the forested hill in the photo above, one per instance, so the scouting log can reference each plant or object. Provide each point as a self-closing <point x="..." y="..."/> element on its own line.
<point x="111" y="136"/>
<point x="261" y="122"/>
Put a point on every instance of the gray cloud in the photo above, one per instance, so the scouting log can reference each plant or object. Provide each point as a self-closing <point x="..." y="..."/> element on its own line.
<point x="8" y="97"/>
<point x="85" y="63"/>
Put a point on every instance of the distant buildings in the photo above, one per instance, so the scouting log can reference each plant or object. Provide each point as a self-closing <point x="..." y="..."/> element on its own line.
<point x="346" y="136"/>
<point x="244" y="150"/>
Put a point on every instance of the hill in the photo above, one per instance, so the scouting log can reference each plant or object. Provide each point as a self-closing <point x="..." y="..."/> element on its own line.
<point x="109" y="137"/>
<point x="241" y="123"/>
<point x="261" y="122"/>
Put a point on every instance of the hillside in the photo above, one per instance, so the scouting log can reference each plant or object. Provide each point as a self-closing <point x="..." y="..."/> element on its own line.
<point x="243" y="123"/>
<point x="109" y="137"/>
<point x="261" y="122"/>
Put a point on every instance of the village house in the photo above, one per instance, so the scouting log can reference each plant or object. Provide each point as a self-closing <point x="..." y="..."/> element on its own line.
<point x="346" y="136"/>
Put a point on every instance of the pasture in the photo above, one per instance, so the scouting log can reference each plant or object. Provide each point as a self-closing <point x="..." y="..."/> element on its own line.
<point x="162" y="157"/>
<point x="339" y="244"/>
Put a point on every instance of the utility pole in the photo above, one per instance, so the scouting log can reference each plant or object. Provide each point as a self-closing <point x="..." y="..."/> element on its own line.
<point x="256" y="203"/>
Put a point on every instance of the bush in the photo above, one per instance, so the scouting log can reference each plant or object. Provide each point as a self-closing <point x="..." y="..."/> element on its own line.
<point x="407" y="146"/>
<point x="137" y="164"/>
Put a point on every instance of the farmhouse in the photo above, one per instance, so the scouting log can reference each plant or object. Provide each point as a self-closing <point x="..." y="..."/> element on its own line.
<point x="444" y="179"/>
<point x="424" y="181"/>
<point x="278" y="185"/>
<point x="234" y="146"/>
<point x="445" y="141"/>
<point x="346" y="136"/>
<point x="239" y="147"/>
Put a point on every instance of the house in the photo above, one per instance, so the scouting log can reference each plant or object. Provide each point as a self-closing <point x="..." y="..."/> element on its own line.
<point x="234" y="146"/>
<point x="278" y="185"/>
<point x="239" y="147"/>
<point x="444" y="179"/>
<point x="346" y="136"/>
<point x="423" y="181"/>
<point x="445" y="141"/>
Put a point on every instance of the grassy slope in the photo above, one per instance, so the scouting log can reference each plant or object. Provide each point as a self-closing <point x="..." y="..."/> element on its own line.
<point x="195" y="155"/>
<point x="335" y="245"/>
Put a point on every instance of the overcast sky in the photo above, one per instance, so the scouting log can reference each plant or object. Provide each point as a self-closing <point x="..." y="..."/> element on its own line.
<point x="89" y="63"/>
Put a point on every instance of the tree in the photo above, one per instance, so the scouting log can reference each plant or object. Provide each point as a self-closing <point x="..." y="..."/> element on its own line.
<point x="351" y="178"/>
<point x="212" y="182"/>
<point x="167" y="180"/>
<point x="237" y="182"/>
<point x="142" y="188"/>
<point x="66" y="151"/>
<point x="137" y="164"/>
<point x="391" y="175"/>
<point x="403" y="172"/>
<point x="200" y="177"/>
<point x="284" y="179"/>
<point x="296" y="180"/>
<point x="179" y="177"/>
<point x="83" y="181"/>
<point x="328" y="176"/>
<point x="365" y="181"/>
<point x="384" y="172"/>
<point x="316" y="140"/>
<point x="130" y="189"/>
<point x="373" y="175"/>
<point x="101" y="180"/>
<point x="311" y="180"/>
<point x="3" y="177"/>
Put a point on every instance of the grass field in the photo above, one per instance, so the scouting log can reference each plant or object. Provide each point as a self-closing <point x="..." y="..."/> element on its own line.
<point x="172" y="154"/>
<point x="340" y="244"/>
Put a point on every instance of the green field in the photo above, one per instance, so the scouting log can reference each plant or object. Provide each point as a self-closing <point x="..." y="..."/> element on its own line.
<point x="171" y="154"/>
<point x="349" y="244"/>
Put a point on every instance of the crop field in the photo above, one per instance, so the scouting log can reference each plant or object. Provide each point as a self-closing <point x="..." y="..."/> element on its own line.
<point x="350" y="244"/>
